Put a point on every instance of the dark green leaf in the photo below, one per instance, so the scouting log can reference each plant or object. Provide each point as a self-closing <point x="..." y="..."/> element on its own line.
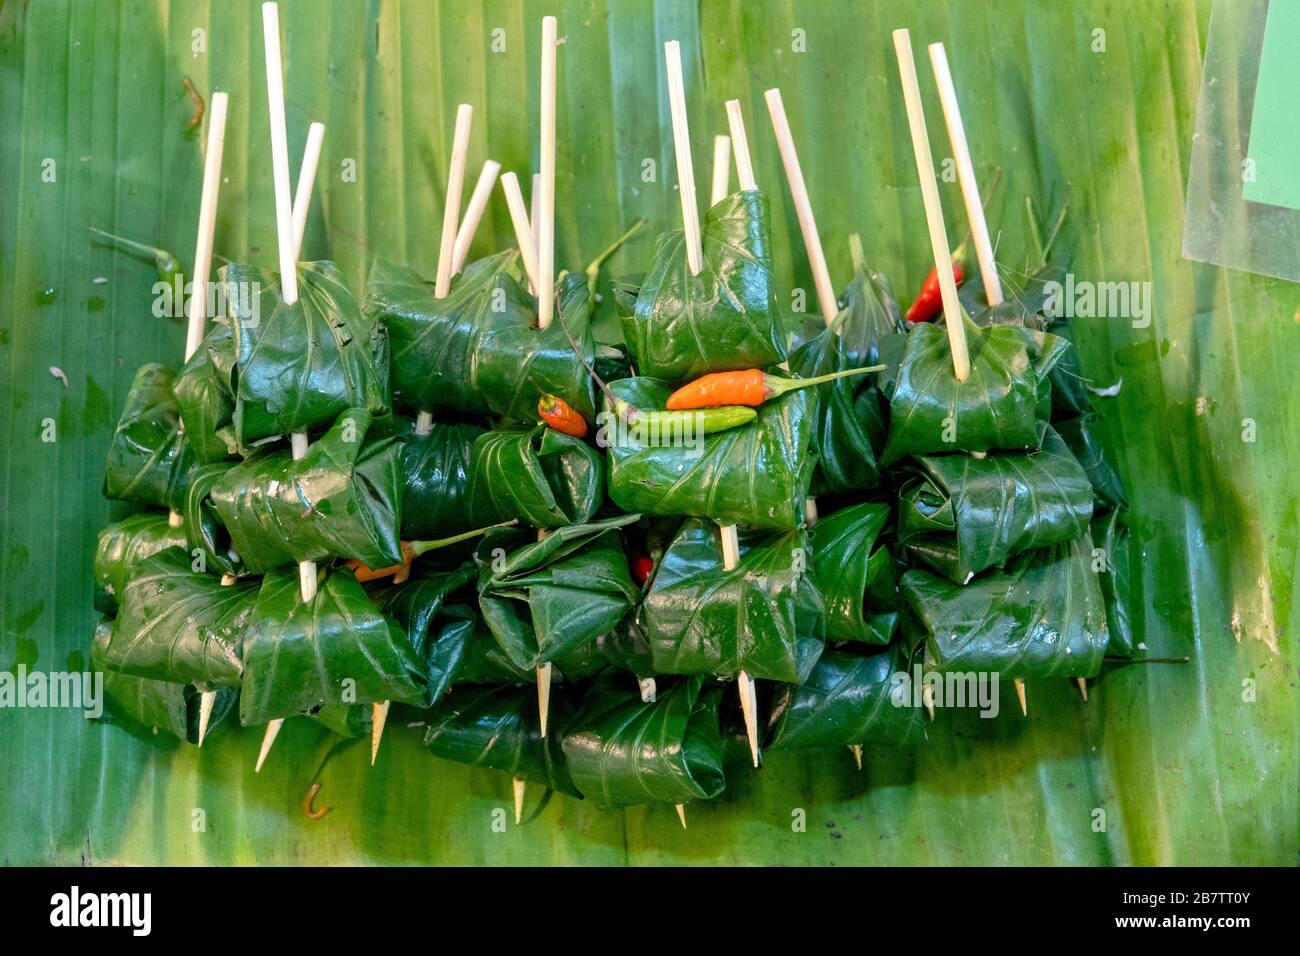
<point x="479" y="350"/>
<point x="1041" y="617"/>
<point x="623" y="751"/>
<point x="625" y="648"/>
<point x="765" y="616"/>
<point x="552" y="596"/>
<point x="204" y="530"/>
<point x="757" y="475"/>
<point x="300" y="366"/>
<point x="540" y="476"/>
<point x="849" y="699"/>
<point x="342" y="499"/>
<point x="346" y="720"/>
<point x="499" y="728"/>
<point x="122" y="545"/>
<point x="337" y="649"/>
<point x="724" y="318"/>
<point x="203" y="393"/>
<point x="149" y="459"/>
<point x="1083" y="436"/>
<point x="438" y="633"/>
<point x="961" y="514"/>
<point x="856" y="574"/>
<point x="1112" y="537"/>
<point x="435" y="480"/>
<point x="179" y="626"/>
<point x="995" y="408"/>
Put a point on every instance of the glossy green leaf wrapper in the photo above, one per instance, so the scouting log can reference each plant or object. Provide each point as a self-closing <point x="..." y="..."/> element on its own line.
<point x="179" y="626"/>
<point x="440" y="637"/>
<point x="204" y="529"/>
<point x="343" y="499"/>
<point x="549" y="597"/>
<point x="848" y="699"/>
<point x="499" y="728"/>
<point x="1112" y="537"/>
<point x="684" y="326"/>
<point x="149" y="460"/>
<point x="1042" y="617"/>
<point x="300" y="366"/>
<point x="297" y="656"/>
<point x="995" y="408"/>
<point x="478" y="350"/>
<point x="856" y="574"/>
<point x="850" y="422"/>
<point x="765" y="616"/>
<point x="203" y="393"/>
<point x="156" y="704"/>
<point x="623" y="752"/>
<point x="539" y="476"/>
<point x="122" y="545"/>
<point x="756" y="476"/>
<point x="1082" y="435"/>
<point x="436" y="472"/>
<point x="960" y="514"/>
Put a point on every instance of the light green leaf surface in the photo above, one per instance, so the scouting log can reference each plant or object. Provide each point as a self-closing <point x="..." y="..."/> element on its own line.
<point x="1187" y="770"/>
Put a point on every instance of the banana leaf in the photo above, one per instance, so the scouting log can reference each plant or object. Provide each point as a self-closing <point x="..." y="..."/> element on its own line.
<point x="757" y="475"/>
<point x="204" y="397"/>
<point x="1042" y="617"/>
<point x="124" y="544"/>
<point x="155" y="704"/>
<point x="300" y="366"/>
<point x="436" y="480"/>
<point x="478" y="350"/>
<point x="683" y="326"/>
<point x="848" y="699"/>
<point x="1081" y="434"/>
<point x="850" y="421"/>
<point x="997" y="407"/>
<point x="764" y="616"/>
<point x="540" y="476"/>
<point x="338" y="649"/>
<point x="545" y="599"/>
<point x="856" y="574"/>
<point x="149" y="460"/>
<point x="343" y="499"/>
<point x="1112" y="537"/>
<point x="499" y="728"/>
<point x="205" y="531"/>
<point x="960" y="514"/>
<point x="622" y="751"/>
<point x="180" y="626"/>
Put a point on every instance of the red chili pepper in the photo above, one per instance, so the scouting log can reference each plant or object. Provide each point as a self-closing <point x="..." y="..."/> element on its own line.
<point x="929" y="302"/>
<point x="557" y="413"/>
<point x="642" y="565"/>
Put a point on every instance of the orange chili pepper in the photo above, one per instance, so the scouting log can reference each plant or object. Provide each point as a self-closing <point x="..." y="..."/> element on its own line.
<point x="556" y="412"/>
<point x="412" y="550"/>
<point x="750" y="386"/>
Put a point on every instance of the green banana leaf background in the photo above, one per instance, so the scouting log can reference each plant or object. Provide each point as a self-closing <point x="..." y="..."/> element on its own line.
<point x="1166" y="764"/>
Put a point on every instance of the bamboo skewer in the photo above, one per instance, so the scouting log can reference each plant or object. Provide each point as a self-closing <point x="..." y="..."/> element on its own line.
<point x="306" y="180"/>
<point x="729" y="539"/>
<point x="520" y="786"/>
<point x="721" y="169"/>
<point x="523" y="228"/>
<point x="478" y="200"/>
<point x="535" y="204"/>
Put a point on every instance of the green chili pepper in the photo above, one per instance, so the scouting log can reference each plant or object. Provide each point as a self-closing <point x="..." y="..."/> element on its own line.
<point x="168" y="265"/>
<point x="665" y="427"/>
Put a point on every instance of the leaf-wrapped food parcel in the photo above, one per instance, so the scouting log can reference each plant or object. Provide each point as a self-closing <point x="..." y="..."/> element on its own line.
<point x="848" y="700"/>
<point x="622" y="751"/>
<point x="850" y="421"/>
<point x="684" y="326"/>
<point x="997" y="407"/>
<point x="436" y="470"/>
<point x="439" y="633"/>
<point x="1041" y="617"/>
<point x="298" y="655"/>
<point x="499" y="728"/>
<point x="205" y="531"/>
<point x="1110" y="535"/>
<point x="960" y="514"/>
<point x="122" y="545"/>
<point x="156" y="704"/>
<point x="205" y="398"/>
<point x="756" y="475"/>
<point x="548" y="597"/>
<point x="537" y="475"/>
<point x="298" y="367"/>
<point x="343" y="499"/>
<point x="149" y="460"/>
<point x="1083" y="436"/>
<point x="765" y="616"/>
<point x="856" y="574"/>
<point x="478" y="350"/>
<point x="180" y="626"/>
